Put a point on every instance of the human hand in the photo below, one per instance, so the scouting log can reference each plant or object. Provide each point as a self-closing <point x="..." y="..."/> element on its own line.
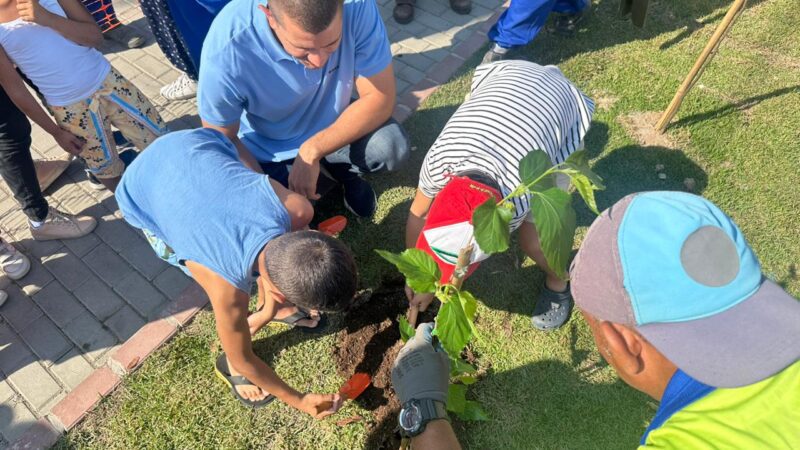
<point x="320" y="406"/>
<point x="68" y="142"/>
<point x="421" y="372"/>
<point x="421" y="301"/>
<point x="304" y="174"/>
<point x="31" y="11"/>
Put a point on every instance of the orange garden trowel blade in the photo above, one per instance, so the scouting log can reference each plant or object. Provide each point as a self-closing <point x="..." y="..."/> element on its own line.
<point x="333" y="226"/>
<point x="353" y="387"/>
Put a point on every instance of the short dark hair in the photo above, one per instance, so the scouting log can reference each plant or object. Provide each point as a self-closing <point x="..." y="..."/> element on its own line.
<point x="312" y="270"/>
<point x="313" y="15"/>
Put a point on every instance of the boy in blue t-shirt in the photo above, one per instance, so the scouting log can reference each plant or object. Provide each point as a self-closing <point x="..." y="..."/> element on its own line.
<point x="223" y="224"/>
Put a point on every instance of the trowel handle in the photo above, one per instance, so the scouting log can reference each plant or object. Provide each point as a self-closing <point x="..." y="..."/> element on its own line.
<point x="413" y="312"/>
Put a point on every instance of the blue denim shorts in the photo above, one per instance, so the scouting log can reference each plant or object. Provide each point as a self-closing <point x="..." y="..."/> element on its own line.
<point x="165" y="252"/>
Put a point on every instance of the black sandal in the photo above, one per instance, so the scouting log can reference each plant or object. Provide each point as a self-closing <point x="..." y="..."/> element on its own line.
<point x="404" y="11"/>
<point x="224" y="374"/>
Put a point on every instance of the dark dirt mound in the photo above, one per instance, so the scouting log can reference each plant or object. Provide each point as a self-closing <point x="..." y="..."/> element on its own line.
<point x="369" y="343"/>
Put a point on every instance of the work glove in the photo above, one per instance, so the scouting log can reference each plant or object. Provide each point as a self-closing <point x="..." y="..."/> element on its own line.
<point x="420" y="371"/>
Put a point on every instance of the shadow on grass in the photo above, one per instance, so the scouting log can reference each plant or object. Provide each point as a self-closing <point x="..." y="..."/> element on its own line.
<point x="549" y="405"/>
<point x="605" y="28"/>
<point x="633" y="168"/>
<point x="742" y="105"/>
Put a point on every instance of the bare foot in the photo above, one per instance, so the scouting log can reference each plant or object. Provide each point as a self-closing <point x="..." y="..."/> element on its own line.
<point x="249" y="391"/>
<point x="257" y="320"/>
<point x="285" y="312"/>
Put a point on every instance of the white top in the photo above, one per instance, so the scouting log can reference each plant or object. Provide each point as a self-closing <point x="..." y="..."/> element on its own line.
<point x="514" y="107"/>
<point x="64" y="71"/>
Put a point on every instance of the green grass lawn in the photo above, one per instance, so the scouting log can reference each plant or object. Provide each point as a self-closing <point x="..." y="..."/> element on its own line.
<point x="737" y="137"/>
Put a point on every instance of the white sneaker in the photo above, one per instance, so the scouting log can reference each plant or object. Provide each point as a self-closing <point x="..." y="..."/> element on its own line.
<point x="180" y="89"/>
<point x="59" y="225"/>
<point x="12" y="262"/>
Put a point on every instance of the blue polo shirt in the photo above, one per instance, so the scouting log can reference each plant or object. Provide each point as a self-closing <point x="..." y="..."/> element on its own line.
<point x="247" y="76"/>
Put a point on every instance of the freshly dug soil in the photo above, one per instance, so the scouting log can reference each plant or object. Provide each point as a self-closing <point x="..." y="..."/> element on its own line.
<point x="369" y="343"/>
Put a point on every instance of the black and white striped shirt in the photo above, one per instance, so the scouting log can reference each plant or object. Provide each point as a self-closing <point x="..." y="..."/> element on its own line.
<point x="514" y="107"/>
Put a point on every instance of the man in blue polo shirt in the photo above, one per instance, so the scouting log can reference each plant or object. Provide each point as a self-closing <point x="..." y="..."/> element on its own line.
<point x="279" y="79"/>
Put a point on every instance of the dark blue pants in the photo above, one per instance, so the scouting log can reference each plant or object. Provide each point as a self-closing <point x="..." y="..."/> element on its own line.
<point x="386" y="148"/>
<point x="523" y="19"/>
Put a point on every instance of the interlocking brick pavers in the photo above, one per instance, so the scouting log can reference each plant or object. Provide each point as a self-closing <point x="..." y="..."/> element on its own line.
<point x="45" y="338"/>
<point x="124" y="323"/>
<point x="15" y="419"/>
<point x="172" y="282"/>
<point x="71" y="369"/>
<point x="58" y="304"/>
<point x="107" y="264"/>
<point x="98" y="290"/>
<point x="35" y="384"/>
<point x="98" y="298"/>
<point x="67" y="268"/>
<point x="140" y="294"/>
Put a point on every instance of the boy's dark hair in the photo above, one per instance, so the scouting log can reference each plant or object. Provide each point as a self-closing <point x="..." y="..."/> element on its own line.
<point x="480" y="177"/>
<point x="313" y="15"/>
<point x="312" y="270"/>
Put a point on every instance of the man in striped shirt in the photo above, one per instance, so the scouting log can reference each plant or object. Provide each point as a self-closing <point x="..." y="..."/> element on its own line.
<point x="514" y="107"/>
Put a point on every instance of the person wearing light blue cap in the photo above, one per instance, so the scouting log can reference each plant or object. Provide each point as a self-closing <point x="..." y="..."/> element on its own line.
<point x="679" y="307"/>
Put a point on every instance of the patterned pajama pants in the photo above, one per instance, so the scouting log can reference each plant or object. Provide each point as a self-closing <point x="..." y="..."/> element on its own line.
<point x="117" y="102"/>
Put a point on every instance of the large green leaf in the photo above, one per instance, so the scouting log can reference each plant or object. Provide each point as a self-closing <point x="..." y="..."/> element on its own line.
<point x="579" y="161"/>
<point x="473" y="411"/>
<point x="491" y="222"/>
<point x="470" y="306"/>
<point x="406" y="330"/>
<point x="533" y="166"/>
<point x="467" y="379"/>
<point x="555" y="222"/>
<point x="456" y="398"/>
<point x="452" y="327"/>
<point x="421" y="272"/>
<point x="458" y="367"/>
<point x="586" y="189"/>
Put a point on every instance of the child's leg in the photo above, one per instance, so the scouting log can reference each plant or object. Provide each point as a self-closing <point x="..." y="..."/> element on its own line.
<point x="131" y="112"/>
<point x="529" y="242"/>
<point x="87" y="120"/>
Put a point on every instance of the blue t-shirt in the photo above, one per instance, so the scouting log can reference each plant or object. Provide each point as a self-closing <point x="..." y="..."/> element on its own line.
<point x="191" y="190"/>
<point x="247" y="76"/>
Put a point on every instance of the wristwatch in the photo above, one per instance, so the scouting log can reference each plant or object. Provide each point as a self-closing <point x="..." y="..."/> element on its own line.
<point x="417" y="413"/>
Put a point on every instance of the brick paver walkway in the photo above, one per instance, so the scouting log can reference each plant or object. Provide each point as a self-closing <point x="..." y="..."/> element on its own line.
<point x="65" y="323"/>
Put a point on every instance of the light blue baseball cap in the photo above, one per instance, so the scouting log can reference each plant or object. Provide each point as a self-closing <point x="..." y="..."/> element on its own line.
<point x="676" y="268"/>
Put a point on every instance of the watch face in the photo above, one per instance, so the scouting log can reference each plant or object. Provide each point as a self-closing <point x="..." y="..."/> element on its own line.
<point x="410" y="418"/>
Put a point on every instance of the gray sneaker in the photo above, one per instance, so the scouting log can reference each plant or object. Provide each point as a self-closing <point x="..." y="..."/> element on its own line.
<point x="13" y="263"/>
<point x="59" y="225"/>
<point x="496" y="53"/>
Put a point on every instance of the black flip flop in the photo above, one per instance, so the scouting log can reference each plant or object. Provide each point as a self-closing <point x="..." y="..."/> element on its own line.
<point x="303" y="314"/>
<point x="224" y="374"/>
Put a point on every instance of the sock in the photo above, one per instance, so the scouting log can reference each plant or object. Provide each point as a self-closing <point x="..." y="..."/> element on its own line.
<point x="498" y="49"/>
<point x="35" y="224"/>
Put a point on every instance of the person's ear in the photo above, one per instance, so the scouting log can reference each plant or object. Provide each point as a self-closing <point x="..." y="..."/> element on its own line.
<point x="278" y="296"/>
<point x="625" y="347"/>
<point x="268" y="12"/>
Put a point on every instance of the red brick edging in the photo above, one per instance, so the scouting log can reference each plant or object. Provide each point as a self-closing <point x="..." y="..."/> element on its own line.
<point x="71" y="409"/>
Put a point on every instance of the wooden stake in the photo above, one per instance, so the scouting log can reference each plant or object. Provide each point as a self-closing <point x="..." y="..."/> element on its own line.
<point x="707" y="55"/>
